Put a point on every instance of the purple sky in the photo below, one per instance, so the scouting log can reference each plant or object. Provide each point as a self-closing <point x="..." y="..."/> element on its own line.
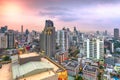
<point x="86" y="15"/>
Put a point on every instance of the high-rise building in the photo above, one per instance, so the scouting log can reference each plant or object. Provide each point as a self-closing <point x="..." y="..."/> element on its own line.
<point x="97" y="32"/>
<point x="3" y="40"/>
<point x="106" y="33"/>
<point x="94" y="48"/>
<point x="22" y="29"/>
<point x="26" y="32"/>
<point x="109" y="45"/>
<point x="10" y="38"/>
<point x="3" y="29"/>
<point x="116" y="33"/>
<point x="75" y="37"/>
<point x="63" y="39"/>
<point x="22" y="33"/>
<point x="47" y="39"/>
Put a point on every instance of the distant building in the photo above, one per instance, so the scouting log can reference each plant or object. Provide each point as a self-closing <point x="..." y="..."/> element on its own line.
<point x="98" y="32"/>
<point x="29" y="38"/>
<point x="3" y="40"/>
<point x="3" y="29"/>
<point x="22" y="34"/>
<point x="109" y="60"/>
<point x="90" y="72"/>
<point x="21" y="29"/>
<point x="75" y="37"/>
<point x="10" y="39"/>
<point x="105" y="33"/>
<point x="27" y="32"/>
<point x="109" y="45"/>
<point x="116" y="33"/>
<point x="47" y="39"/>
<point x="94" y="48"/>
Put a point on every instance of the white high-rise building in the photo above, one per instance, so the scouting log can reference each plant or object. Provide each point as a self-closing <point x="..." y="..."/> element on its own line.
<point x="112" y="47"/>
<point x="62" y="40"/>
<point x="94" y="48"/>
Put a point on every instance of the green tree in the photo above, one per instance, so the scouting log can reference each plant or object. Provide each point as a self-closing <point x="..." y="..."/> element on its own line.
<point x="6" y="58"/>
<point x="79" y="78"/>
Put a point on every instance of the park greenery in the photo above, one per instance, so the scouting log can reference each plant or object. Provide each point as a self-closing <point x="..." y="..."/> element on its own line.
<point x="78" y="78"/>
<point x="5" y="58"/>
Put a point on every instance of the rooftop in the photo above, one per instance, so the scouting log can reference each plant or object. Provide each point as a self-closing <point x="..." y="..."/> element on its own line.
<point x="29" y="68"/>
<point x="90" y="68"/>
<point x="55" y="68"/>
<point x="44" y="68"/>
<point x="117" y="64"/>
<point x="72" y="64"/>
<point x="28" y="55"/>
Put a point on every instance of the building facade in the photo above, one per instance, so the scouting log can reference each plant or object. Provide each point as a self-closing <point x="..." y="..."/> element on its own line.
<point x="47" y="39"/>
<point x="3" y="29"/>
<point x="94" y="48"/>
<point x="116" y="33"/>
<point x="3" y="40"/>
<point x="10" y="39"/>
<point x="61" y="56"/>
<point x="63" y="39"/>
<point x="72" y="67"/>
<point x="90" y="72"/>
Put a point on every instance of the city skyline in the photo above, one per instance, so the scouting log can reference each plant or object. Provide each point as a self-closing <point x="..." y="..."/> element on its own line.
<point x="86" y="15"/>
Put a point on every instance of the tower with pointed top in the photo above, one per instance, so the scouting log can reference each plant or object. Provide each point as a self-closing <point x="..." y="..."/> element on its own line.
<point x="47" y="39"/>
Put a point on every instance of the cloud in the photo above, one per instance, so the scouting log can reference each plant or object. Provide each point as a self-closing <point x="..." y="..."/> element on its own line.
<point x="60" y="13"/>
<point x="56" y="9"/>
<point x="38" y="4"/>
<point x="69" y="18"/>
<point x="72" y="12"/>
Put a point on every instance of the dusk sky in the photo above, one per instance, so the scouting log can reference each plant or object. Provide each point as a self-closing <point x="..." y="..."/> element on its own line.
<point x="86" y="15"/>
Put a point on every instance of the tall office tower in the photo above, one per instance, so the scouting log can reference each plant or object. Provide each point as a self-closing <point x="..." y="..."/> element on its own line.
<point x="10" y="39"/>
<point x="94" y="48"/>
<point x="22" y="29"/>
<point x="106" y="33"/>
<point x="62" y="39"/>
<point x="116" y="33"/>
<point x="22" y="32"/>
<point x="3" y="40"/>
<point x="47" y="39"/>
<point x="26" y="32"/>
<point x="3" y="29"/>
<point x="98" y="32"/>
<point x="75" y="37"/>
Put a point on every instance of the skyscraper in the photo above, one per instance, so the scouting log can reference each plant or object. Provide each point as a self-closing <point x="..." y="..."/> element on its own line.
<point x="21" y="32"/>
<point x="3" y="40"/>
<point x="47" y="39"/>
<point x="22" y="29"/>
<point x="3" y="29"/>
<point x="10" y="38"/>
<point x="94" y="48"/>
<point x="116" y="33"/>
<point x="62" y="39"/>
